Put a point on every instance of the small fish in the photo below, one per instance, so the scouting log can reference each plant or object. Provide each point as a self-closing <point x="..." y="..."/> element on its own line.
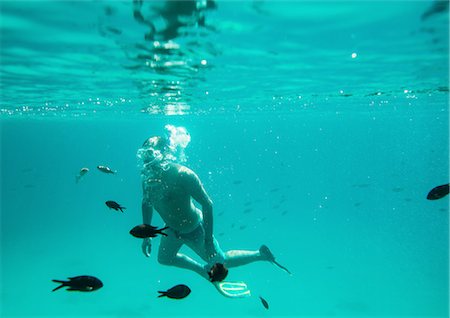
<point x="438" y="6"/>
<point x="218" y="272"/>
<point x="114" y="205"/>
<point x="105" y="169"/>
<point x="82" y="172"/>
<point x="236" y="182"/>
<point x="145" y="230"/>
<point x="438" y="192"/>
<point x="80" y="283"/>
<point x="176" y="292"/>
<point x="264" y="302"/>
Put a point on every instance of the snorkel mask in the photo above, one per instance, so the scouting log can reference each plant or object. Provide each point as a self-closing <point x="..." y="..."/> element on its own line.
<point x="153" y="152"/>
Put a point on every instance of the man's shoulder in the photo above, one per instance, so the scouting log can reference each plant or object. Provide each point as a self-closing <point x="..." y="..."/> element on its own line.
<point x="184" y="171"/>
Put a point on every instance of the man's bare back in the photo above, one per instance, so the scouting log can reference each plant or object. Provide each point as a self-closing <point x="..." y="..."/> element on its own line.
<point x="170" y="195"/>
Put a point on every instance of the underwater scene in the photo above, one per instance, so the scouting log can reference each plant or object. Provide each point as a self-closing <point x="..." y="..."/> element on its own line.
<point x="206" y="158"/>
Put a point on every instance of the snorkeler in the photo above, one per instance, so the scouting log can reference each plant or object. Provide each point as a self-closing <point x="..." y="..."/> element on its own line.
<point x="169" y="18"/>
<point x="169" y="188"/>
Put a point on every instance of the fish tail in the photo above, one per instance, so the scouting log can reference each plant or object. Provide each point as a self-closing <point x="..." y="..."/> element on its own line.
<point x="163" y="294"/>
<point x="122" y="207"/>
<point x="63" y="283"/>
<point x="164" y="228"/>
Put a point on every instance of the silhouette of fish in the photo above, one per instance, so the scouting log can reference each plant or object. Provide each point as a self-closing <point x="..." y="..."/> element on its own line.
<point x="438" y="192"/>
<point x="82" y="172"/>
<point x="176" y="292"/>
<point x="218" y="272"/>
<point x="145" y="230"/>
<point x="114" y="205"/>
<point x="105" y="169"/>
<point x="264" y="302"/>
<point x="438" y="6"/>
<point x="79" y="283"/>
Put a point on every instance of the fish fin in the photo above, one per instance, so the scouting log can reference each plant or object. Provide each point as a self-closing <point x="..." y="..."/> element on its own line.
<point x="72" y="289"/>
<point x="122" y="207"/>
<point x="163" y="293"/>
<point x="77" y="178"/>
<point x="160" y="231"/>
<point x="63" y="284"/>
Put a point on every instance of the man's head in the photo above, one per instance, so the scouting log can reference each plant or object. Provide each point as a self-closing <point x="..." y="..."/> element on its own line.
<point x="153" y="150"/>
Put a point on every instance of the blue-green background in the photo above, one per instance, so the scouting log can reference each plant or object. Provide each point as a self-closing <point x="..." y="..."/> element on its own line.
<point x="334" y="155"/>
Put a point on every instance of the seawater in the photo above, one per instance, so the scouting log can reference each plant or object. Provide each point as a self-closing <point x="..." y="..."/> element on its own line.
<point x="316" y="128"/>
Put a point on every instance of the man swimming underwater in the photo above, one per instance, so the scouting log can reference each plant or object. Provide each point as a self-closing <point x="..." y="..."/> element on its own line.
<point x="169" y="188"/>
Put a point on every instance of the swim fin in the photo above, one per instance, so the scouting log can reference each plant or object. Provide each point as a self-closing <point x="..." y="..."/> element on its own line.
<point x="233" y="289"/>
<point x="264" y="250"/>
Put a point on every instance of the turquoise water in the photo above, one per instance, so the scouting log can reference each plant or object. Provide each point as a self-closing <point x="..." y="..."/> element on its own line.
<point x="317" y="128"/>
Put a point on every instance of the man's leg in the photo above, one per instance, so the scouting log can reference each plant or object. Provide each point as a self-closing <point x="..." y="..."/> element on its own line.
<point x="231" y="258"/>
<point x="235" y="258"/>
<point x="168" y="255"/>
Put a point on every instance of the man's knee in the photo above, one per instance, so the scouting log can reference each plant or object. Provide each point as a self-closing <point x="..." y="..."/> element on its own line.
<point x="165" y="259"/>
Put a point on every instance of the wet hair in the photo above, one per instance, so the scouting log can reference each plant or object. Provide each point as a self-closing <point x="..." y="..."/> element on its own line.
<point x="156" y="142"/>
<point x="158" y="151"/>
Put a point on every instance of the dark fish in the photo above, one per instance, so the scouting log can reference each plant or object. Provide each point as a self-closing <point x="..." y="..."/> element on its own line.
<point x="114" y="205"/>
<point x="80" y="283"/>
<point x="438" y="6"/>
<point x="236" y="182"/>
<point x="438" y="192"/>
<point x="248" y="210"/>
<point x="218" y="272"/>
<point x="145" y="230"/>
<point x="105" y="169"/>
<point x="176" y="292"/>
<point x="264" y="302"/>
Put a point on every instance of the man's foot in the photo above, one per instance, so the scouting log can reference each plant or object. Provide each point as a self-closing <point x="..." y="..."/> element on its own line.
<point x="267" y="255"/>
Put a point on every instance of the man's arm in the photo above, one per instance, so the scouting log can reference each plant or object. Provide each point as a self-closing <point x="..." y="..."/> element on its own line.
<point x="147" y="214"/>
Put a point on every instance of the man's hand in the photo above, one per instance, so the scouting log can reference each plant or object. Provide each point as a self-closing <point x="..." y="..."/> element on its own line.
<point x="147" y="247"/>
